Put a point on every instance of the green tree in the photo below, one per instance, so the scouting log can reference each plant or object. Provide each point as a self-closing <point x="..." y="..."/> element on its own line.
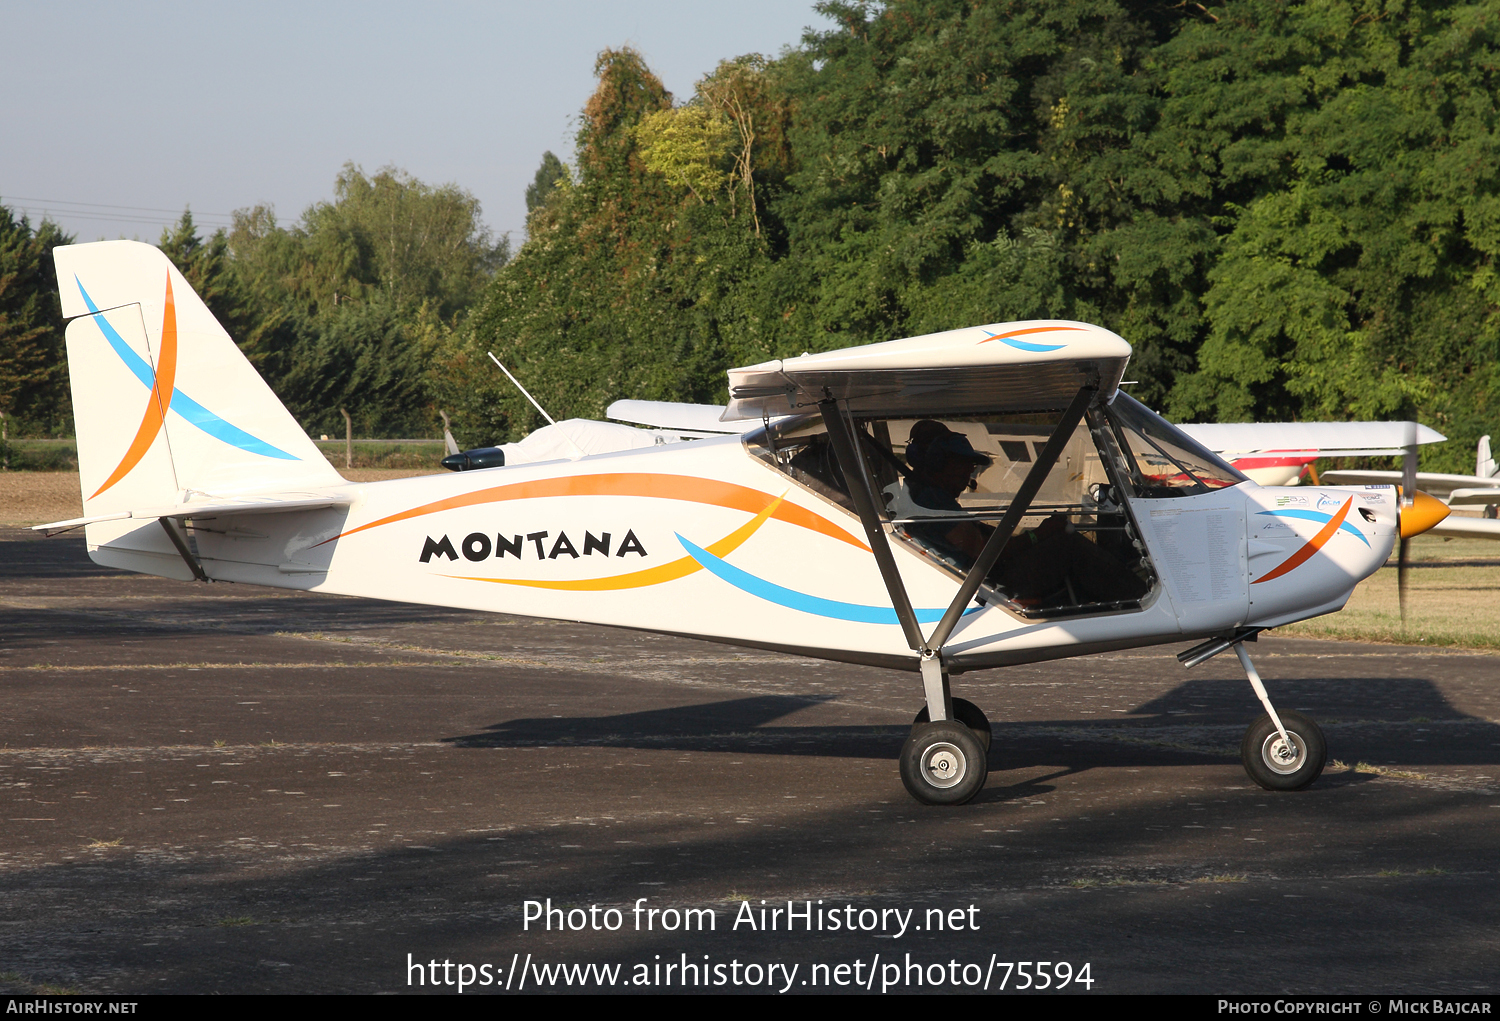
<point x="1288" y="209"/>
<point x="548" y="175"/>
<point x="208" y="267"/>
<point x="688" y="146"/>
<point x="33" y="386"/>
<point x="1355" y="146"/>
<point x="628" y="284"/>
<point x="351" y="302"/>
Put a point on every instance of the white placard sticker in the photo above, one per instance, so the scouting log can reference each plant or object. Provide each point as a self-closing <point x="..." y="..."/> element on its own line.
<point x="1200" y="550"/>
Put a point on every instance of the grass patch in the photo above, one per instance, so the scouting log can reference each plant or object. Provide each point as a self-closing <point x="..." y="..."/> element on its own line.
<point x="1395" y="774"/>
<point x="14" y="982"/>
<point x="99" y="845"/>
<point x="236" y="921"/>
<point x="1225" y="878"/>
<point x="1090" y="883"/>
<point x="39" y="455"/>
<point x="390" y="454"/>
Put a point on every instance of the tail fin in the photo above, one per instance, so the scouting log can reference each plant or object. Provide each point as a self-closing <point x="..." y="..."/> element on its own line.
<point x="163" y="399"/>
<point x="1484" y="463"/>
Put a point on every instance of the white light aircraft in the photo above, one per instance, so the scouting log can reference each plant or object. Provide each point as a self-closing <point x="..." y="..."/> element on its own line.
<point x="1480" y="491"/>
<point x="959" y="501"/>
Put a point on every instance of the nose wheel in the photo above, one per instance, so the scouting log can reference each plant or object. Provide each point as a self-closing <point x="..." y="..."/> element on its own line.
<point x="1287" y="763"/>
<point x="943" y="763"/>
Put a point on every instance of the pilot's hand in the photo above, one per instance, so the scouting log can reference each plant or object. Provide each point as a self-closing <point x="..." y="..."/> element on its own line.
<point x="1057" y="524"/>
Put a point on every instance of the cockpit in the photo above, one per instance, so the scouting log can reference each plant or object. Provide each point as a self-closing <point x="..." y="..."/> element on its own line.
<point x="946" y="481"/>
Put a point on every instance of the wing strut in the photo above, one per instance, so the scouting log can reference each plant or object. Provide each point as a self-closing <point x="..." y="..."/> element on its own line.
<point x="862" y="492"/>
<point x="995" y="545"/>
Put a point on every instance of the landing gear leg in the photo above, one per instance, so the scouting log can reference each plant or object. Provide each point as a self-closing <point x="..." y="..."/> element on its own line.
<point x="961" y="710"/>
<point x="1281" y="751"/>
<point x="943" y="761"/>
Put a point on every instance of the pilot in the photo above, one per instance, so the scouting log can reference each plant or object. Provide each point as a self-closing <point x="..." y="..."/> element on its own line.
<point x="1046" y="565"/>
<point x="944" y="464"/>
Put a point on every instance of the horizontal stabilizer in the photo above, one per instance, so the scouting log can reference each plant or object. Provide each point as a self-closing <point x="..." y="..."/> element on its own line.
<point x="203" y="510"/>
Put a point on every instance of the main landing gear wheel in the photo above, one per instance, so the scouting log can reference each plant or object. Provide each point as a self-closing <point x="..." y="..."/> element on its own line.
<point x="970" y="715"/>
<point x="1274" y="765"/>
<point x="943" y="763"/>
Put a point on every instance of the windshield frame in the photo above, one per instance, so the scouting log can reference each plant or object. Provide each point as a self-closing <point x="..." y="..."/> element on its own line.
<point x="1126" y="414"/>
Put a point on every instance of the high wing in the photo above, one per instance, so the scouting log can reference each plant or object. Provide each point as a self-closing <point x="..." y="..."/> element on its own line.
<point x="702" y="419"/>
<point x="1275" y="453"/>
<point x="1018" y="366"/>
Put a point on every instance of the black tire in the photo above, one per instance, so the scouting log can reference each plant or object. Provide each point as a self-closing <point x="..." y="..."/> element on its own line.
<point x="1261" y="742"/>
<point x="942" y="763"/>
<point x="970" y="715"/>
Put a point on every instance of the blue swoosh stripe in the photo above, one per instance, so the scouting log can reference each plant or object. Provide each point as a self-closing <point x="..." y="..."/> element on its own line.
<point x="800" y="600"/>
<point x="1320" y="517"/>
<point x="188" y="409"/>
<point x="1026" y="345"/>
<point x="196" y="414"/>
<point x="134" y="362"/>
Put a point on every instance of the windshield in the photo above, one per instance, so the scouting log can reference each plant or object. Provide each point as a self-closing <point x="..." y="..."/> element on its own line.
<point x="1163" y="461"/>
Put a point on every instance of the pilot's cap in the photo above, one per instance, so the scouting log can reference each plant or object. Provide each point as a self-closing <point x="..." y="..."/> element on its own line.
<point x="930" y="449"/>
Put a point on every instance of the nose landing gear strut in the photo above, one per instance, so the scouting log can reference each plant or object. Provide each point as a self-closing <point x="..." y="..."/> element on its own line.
<point x="1281" y="751"/>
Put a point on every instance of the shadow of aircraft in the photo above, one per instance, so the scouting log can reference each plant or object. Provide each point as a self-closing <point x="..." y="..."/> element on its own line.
<point x="1379" y="720"/>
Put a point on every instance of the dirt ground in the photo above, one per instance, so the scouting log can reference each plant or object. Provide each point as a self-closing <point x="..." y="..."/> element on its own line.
<point x="226" y="788"/>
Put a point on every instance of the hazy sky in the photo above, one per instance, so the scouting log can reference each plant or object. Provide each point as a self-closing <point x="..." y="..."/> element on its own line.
<point x="156" y="106"/>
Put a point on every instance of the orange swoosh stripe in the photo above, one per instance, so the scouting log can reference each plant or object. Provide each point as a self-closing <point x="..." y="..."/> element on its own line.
<point x="1314" y="544"/>
<point x="1033" y="329"/>
<point x="161" y="397"/>
<point x="652" y="575"/>
<point x="662" y="487"/>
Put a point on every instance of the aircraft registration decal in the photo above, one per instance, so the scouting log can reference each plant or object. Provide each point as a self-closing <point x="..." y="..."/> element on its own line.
<point x="651" y="575"/>
<point x="1312" y="515"/>
<point x="661" y="487"/>
<point x="1027" y="345"/>
<point x="161" y="382"/>
<point x="1312" y="546"/>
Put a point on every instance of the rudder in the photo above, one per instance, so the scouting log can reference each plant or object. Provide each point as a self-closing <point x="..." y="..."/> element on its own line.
<point x="164" y="400"/>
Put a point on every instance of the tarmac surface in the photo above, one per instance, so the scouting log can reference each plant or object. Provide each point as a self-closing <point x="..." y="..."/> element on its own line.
<point x="221" y="788"/>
